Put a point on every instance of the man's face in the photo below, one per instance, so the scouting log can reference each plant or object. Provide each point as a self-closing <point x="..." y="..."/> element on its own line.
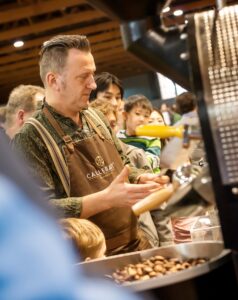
<point x="137" y="116"/>
<point x="76" y="81"/>
<point x="112" y="94"/>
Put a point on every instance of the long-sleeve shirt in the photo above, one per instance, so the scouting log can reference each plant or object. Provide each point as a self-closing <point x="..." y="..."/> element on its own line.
<point x="34" y="151"/>
<point x="150" y="146"/>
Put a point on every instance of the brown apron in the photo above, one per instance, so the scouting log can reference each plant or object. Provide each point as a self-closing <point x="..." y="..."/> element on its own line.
<point x="93" y="163"/>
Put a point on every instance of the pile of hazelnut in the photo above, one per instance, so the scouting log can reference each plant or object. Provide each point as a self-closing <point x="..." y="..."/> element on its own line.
<point x="155" y="266"/>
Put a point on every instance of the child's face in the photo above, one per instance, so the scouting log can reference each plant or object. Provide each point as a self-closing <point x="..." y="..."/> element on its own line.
<point x="137" y="116"/>
<point x="156" y="118"/>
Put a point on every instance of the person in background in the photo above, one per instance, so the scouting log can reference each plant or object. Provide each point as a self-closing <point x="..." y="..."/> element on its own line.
<point x="166" y="113"/>
<point x="186" y="105"/>
<point x="174" y="154"/>
<point x="87" y="238"/>
<point x="82" y="180"/>
<point x="109" y="88"/>
<point x="176" y="116"/>
<point x="156" y="117"/>
<point x="108" y="109"/>
<point x="137" y="112"/>
<point x="23" y="101"/>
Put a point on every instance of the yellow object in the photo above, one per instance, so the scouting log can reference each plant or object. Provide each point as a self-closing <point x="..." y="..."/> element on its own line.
<point x="153" y="201"/>
<point x="162" y="132"/>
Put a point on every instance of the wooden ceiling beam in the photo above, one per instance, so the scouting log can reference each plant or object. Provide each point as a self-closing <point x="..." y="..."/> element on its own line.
<point x="87" y="30"/>
<point x="103" y="54"/>
<point x="66" y="20"/>
<point x="24" y="65"/>
<point x="122" y="61"/>
<point x="105" y="46"/>
<point x="19" y="65"/>
<point x="114" y="57"/>
<point x="100" y="40"/>
<point x="20" y="80"/>
<point x="36" y="9"/>
<point x="18" y="77"/>
<point x="34" y="61"/>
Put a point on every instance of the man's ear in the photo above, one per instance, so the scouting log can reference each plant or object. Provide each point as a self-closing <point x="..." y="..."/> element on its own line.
<point x="20" y="117"/>
<point x="53" y="81"/>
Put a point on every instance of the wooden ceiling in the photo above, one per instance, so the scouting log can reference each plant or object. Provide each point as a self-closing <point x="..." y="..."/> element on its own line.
<point x="35" y="21"/>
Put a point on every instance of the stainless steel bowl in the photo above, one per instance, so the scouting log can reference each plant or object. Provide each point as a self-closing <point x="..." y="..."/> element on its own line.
<point x="213" y="251"/>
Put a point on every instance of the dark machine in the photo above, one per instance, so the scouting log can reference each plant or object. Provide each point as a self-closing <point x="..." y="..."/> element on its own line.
<point x="213" y="60"/>
<point x="202" y="56"/>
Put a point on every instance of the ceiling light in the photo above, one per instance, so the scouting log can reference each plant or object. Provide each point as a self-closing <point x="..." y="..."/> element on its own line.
<point x="166" y="9"/>
<point x="18" y="44"/>
<point x="178" y="13"/>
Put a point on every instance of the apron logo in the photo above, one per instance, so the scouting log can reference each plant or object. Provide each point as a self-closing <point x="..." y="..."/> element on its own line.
<point x="101" y="171"/>
<point x="99" y="161"/>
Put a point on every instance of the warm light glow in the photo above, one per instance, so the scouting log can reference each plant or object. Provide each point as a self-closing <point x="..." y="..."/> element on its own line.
<point x="18" y="44"/>
<point x="178" y="13"/>
<point x="166" y="9"/>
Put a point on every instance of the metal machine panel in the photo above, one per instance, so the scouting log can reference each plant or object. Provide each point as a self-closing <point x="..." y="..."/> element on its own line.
<point x="216" y="36"/>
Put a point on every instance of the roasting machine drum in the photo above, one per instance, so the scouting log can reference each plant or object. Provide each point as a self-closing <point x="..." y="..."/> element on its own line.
<point x="201" y="282"/>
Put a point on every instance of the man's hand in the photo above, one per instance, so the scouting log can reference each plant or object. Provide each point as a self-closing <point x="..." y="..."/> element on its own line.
<point x="120" y="193"/>
<point x="156" y="178"/>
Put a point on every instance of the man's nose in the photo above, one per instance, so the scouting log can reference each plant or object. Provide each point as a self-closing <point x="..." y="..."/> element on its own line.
<point x="92" y="84"/>
<point x="114" y="102"/>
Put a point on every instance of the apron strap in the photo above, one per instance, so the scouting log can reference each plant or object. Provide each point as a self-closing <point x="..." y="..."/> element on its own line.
<point x="66" y="138"/>
<point x="54" y="152"/>
<point x="94" y="127"/>
<point x="92" y="117"/>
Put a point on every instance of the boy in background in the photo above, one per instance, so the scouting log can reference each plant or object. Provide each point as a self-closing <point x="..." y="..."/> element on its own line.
<point x="137" y="111"/>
